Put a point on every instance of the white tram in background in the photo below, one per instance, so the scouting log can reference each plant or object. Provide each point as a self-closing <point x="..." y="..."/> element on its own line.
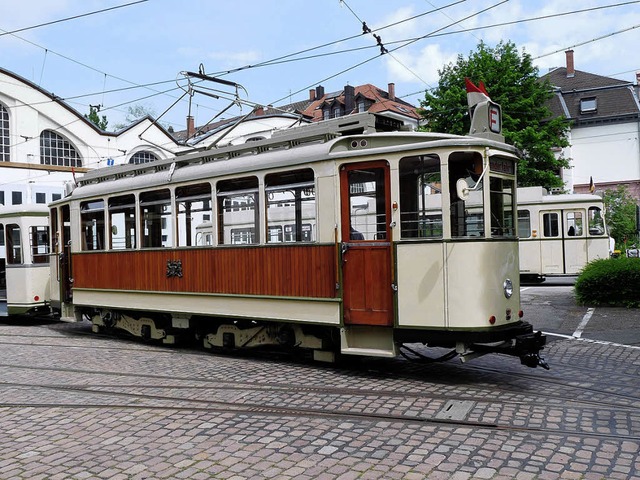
<point x="329" y="237"/>
<point x="560" y="234"/>
<point x="24" y="258"/>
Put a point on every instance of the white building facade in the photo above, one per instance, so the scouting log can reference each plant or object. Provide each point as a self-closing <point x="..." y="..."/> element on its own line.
<point x="44" y="143"/>
<point x="605" y="129"/>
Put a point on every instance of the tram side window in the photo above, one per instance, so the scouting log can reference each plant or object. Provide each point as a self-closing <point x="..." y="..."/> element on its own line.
<point x="238" y="211"/>
<point x="420" y="197"/>
<point x="596" y="221"/>
<point x="550" y="225"/>
<point x="502" y="207"/>
<point x="157" y="221"/>
<point x="93" y="224"/>
<point x="524" y="223"/>
<point x="193" y="208"/>
<point x="574" y="223"/>
<point x="14" y="245"/>
<point x="39" y="244"/>
<point x="291" y="206"/>
<point x="122" y="222"/>
<point x="467" y="214"/>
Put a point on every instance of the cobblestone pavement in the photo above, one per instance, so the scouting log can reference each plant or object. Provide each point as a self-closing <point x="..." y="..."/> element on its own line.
<point x="78" y="406"/>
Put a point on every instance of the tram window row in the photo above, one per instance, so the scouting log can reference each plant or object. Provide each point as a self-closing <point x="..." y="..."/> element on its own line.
<point x="228" y="211"/>
<point x="184" y="216"/>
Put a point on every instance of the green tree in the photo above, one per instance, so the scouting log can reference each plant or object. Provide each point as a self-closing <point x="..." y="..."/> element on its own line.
<point x="94" y="118"/>
<point x="620" y="214"/>
<point x="512" y="81"/>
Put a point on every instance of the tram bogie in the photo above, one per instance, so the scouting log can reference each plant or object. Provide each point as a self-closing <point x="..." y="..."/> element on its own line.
<point x="309" y="241"/>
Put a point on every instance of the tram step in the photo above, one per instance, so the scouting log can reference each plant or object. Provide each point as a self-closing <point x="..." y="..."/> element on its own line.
<point x="368" y="341"/>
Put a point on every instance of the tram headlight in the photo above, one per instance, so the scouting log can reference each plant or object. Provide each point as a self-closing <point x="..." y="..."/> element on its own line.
<point x="508" y="288"/>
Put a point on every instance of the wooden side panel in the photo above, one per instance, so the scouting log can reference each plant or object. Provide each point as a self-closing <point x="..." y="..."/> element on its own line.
<point x="296" y="271"/>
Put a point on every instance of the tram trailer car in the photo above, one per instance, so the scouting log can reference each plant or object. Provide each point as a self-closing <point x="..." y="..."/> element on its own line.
<point x="353" y="244"/>
<point x="559" y="234"/>
<point x="24" y="251"/>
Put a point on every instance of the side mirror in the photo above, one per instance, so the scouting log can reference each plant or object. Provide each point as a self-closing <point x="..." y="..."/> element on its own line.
<point x="462" y="189"/>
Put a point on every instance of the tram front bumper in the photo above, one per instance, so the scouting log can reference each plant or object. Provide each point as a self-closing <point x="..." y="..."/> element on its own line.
<point x="527" y="346"/>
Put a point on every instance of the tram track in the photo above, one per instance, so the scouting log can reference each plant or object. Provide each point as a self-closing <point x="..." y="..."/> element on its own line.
<point x="220" y="406"/>
<point x="221" y="383"/>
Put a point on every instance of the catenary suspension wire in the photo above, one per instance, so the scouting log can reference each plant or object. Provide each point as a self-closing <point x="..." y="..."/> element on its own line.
<point x="72" y="18"/>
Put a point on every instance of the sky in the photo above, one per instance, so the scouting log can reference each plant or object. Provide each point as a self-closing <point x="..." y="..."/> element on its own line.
<point x="132" y="53"/>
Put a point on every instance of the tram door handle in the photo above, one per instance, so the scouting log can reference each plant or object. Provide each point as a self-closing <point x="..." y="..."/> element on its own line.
<point x="343" y="250"/>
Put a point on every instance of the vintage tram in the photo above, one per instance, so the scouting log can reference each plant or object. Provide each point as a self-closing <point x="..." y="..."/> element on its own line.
<point x="559" y="234"/>
<point x="331" y="237"/>
<point x="24" y="258"/>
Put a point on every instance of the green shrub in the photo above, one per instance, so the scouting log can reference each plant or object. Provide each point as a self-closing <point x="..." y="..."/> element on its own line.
<point x="611" y="281"/>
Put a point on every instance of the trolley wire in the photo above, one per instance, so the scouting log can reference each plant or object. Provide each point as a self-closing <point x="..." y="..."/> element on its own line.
<point x="74" y="17"/>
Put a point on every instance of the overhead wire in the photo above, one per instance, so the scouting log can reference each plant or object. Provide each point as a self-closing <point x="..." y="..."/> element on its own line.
<point x="74" y="17"/>
<point x="395" y="49"/>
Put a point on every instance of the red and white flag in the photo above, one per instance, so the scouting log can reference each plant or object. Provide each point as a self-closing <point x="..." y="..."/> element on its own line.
<point x="475" y="94"/>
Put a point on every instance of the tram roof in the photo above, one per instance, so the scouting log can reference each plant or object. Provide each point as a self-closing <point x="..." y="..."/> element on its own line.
<point x="27" y="209"/>
<point x="294" y="147"/>
<point x="534" y="195"/>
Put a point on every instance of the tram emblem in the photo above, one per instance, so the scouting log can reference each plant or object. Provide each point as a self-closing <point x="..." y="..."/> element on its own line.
<point x="174" y="268"/>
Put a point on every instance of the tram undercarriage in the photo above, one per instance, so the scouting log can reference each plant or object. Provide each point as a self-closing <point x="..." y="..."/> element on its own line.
<point x="324" y="343"/>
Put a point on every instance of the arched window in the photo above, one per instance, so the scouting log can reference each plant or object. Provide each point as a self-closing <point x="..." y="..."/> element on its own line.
<point x="55" y="150"/>
<point x="143" y="156"/>
<point x="4" y="134"/>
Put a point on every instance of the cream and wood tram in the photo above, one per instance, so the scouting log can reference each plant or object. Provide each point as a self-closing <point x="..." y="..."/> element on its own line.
<point x="560" y="234"/>
<point x="24" y="254"/>
<point x="320" y="238"/>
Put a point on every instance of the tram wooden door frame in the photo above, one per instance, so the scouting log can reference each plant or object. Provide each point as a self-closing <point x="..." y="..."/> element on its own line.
<point x="367" y="274"/>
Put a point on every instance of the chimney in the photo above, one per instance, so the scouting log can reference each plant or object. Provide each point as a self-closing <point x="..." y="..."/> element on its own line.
<point x="259" y="111"/>
<point x="349" y="99"/>
<point x="191" y="127"/>
<point x="571" y="71"/>
<point x="312" y="95"/>
<point x="319" y="92"/>
<point x="637" y="78"/>
<point x="392" y="91"/>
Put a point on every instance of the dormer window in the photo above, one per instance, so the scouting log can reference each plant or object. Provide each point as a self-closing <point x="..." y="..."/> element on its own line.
<point x="336" y="112"/>
<point x="361" y="106"/>
<point x="326" y="114"/>
<point x="588" y="105"/>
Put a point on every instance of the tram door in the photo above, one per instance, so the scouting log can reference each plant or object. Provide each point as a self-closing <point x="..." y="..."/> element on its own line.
<point x="65" y="271"/>
<point x="366" y="246"/>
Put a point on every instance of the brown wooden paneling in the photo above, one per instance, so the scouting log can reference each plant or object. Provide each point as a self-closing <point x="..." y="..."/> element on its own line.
<point x="292" y="271"/>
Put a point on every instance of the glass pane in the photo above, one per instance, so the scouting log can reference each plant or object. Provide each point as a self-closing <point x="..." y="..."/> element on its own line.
<point x="291" y="206"/>
<point x="574" y="224"/>
<point x="238" y="212"/>
<point x="550" y="225"/>
<point x="40" y="244"/>
<point x="367" y="204"/>
<point x="467" y="212"/>
<point x="157" y="221"/>
<point x="420" y="197"/>
<point x="501" y="195"/>
<point x="122" y="220"/>
<point x="92" y="224"/>
<point x="14" y="245"/>
<point x="194" y="215"/>
<point x="524" y="224"/>
<point x="596" y="222"/>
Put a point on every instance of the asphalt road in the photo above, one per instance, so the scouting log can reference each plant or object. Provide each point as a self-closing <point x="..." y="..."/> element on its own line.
<point x="552" y="308"/>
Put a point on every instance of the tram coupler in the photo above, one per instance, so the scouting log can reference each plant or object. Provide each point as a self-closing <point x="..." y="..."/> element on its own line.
<point x="528" y="347"/>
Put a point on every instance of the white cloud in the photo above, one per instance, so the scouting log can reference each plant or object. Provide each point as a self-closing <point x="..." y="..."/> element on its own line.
<point x="419" y="67"/>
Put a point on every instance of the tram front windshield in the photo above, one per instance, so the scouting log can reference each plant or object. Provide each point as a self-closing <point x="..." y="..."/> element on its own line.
<point x="468" y="212"/>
